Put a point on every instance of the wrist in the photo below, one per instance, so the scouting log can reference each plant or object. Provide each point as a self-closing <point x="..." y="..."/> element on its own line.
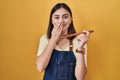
<point x="52" y="41"/>
<point x="80" y="50"/>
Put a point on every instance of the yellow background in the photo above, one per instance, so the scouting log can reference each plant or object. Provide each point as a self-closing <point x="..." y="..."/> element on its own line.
<point x="22" y="22"/>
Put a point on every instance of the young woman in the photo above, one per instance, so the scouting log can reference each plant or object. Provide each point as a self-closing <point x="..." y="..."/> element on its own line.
<point x="62" y="58"/>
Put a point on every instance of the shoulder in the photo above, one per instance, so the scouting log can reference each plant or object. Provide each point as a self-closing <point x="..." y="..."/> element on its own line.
<point x="42" y="44"/>
<point x="44" y="38"/>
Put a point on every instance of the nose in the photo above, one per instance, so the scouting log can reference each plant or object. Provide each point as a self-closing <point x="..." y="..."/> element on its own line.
<point x="61" y="20"/>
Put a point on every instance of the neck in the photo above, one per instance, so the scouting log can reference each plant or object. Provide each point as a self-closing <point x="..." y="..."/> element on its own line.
<point x="63" y="41"/>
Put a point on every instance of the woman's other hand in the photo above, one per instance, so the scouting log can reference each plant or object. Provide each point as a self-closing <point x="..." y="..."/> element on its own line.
<point x="83" y="38"/>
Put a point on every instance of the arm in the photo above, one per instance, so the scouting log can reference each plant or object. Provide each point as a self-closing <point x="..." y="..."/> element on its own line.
<point x="80" y="69"/>
<point x="43" y="59"/>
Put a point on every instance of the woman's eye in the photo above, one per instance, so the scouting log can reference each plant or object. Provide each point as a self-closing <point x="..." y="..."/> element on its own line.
<point x="65" y="17"/>
<point x="56" y="17"/>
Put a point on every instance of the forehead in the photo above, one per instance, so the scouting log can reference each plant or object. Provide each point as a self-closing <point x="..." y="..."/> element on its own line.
<point x="61" y="11"/>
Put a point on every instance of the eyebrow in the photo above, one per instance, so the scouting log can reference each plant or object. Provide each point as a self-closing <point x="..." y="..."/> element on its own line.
<point x="65" y="14"/>
<point x="58" y="15"/>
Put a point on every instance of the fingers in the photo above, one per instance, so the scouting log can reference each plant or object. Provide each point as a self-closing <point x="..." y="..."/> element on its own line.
<point x="87" y="33"/>
<point x="58" y="27"/>
<point x="57" y="30"/>
<point x="82" y="37"/>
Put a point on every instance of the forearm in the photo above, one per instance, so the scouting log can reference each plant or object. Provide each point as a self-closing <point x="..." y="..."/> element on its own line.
<point x="80" y="69"/>
<point x="43" y="59"/>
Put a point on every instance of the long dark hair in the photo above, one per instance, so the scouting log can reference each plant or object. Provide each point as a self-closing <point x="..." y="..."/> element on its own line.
<point x="71" y="28"/>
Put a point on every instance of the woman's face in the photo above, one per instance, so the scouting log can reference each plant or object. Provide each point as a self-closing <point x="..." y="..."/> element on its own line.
<point x="61" y="16"/>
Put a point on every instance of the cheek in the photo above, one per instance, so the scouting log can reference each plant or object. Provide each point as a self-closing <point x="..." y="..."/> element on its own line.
<point x="68" y="21"/>
<point x="67" y="24"/>
<point x="53" y="22"/>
